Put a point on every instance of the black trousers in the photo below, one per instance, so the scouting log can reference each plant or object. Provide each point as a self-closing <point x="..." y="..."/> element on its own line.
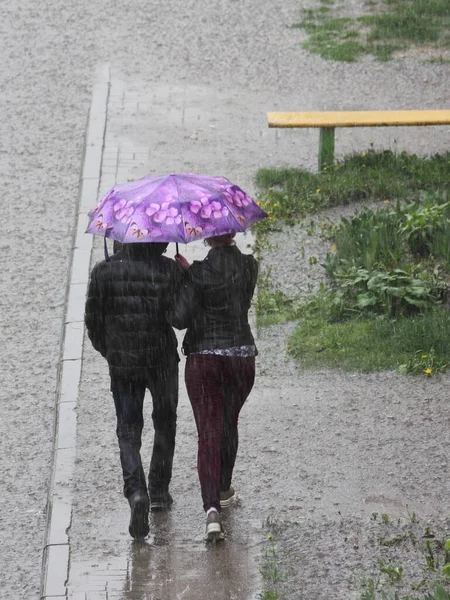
<point x="128" y="397"/>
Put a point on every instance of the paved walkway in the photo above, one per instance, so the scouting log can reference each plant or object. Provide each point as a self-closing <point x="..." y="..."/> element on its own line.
<point x="165" y="129"/>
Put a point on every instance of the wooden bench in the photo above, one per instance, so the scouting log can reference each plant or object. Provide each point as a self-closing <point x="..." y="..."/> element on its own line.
<point x="328" y="121"/>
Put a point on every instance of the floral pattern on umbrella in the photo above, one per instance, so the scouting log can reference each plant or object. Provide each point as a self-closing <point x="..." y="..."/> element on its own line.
<point x="173" y="208"/>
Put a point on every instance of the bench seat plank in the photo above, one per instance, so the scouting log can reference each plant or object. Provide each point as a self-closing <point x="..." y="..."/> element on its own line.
<point x="372" y="118"/>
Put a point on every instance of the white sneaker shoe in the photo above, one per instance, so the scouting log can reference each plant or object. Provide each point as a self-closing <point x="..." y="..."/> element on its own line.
<point x="214" y="529"/>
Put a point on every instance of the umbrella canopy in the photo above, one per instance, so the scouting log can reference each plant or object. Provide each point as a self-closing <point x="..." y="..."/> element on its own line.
<point x="180" y="207"/>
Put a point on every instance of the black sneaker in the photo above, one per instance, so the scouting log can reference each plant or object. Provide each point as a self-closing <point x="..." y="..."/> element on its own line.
<point x="160" y="501"/>
<point x="138" y="527"/>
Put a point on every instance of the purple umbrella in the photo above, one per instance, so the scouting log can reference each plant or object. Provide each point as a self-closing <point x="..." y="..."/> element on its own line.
<point x="173" y="208"/>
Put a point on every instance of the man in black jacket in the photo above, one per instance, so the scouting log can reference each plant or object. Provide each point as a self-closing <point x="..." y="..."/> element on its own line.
<point x="129" y="298"/>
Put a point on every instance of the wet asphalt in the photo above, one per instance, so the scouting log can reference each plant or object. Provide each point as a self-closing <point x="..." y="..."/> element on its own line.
<point x="310" y="444"/>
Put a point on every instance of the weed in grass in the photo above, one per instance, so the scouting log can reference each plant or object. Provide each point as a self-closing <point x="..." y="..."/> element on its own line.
<point x="422" y="362"/>
<point x="385" y="260"/>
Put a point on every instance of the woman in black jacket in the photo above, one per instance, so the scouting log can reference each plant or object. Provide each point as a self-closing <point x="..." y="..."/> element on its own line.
<point x="220" y="367"/>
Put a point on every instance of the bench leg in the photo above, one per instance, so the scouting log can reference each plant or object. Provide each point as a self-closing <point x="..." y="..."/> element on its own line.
<point x="326" y="147"/>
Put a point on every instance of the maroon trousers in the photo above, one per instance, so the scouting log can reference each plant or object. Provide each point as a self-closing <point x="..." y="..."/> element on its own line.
<point x="218" y="387"/>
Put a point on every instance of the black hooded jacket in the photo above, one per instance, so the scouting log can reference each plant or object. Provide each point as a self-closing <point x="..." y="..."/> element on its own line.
<point x="215" y="299"/>
<point x="128" y="301"/>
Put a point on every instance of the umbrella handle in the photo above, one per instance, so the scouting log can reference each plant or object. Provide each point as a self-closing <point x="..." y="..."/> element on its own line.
<point x="105" y="249"/>
<point x="176" y="243"/>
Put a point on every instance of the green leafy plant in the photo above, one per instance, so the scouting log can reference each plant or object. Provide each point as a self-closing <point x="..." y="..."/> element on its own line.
<point x="421" y="223"/>
<point x="394" y="292"/>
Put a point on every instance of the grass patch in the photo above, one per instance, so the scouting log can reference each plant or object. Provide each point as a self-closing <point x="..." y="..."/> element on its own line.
<point x="401" y="24"/>
<point x="291" y="194"/>
<point x="371" y="343"/>
<point x="388" y="271"/>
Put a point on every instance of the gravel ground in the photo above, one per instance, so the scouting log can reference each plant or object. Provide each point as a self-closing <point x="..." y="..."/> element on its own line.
<point x="294" y="254"/>
<point x="339" y="557"/>
<point x="49" y="55"/>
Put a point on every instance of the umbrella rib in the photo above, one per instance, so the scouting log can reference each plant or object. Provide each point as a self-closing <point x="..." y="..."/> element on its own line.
<point x="203" y="185"/>
<point x="163" y="180"/>
<point x="230" y="208"/>
<point x="181" y="211"/>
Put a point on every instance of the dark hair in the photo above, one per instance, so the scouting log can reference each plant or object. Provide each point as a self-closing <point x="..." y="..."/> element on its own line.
<point x="147" y="248"/>
<point x="156" y="248"/>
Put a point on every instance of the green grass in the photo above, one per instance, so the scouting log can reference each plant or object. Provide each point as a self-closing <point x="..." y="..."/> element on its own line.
<point x="401" y="24"/>
<point x="370" y="343"/>
<point x="388" y="270"/>
<point x="291" y="194"/>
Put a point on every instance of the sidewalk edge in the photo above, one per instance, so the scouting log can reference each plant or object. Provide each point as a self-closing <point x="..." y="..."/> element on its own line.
<point x="56" y="552"/>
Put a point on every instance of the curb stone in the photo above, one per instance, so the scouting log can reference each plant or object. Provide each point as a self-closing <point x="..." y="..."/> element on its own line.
<point x="56" y="553"/>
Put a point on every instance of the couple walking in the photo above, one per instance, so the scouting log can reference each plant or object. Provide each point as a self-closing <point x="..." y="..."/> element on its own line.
<point x="134" y="299"/>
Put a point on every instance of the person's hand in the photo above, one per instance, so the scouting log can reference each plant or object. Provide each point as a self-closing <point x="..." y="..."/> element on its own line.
<point x="180" y="260"/>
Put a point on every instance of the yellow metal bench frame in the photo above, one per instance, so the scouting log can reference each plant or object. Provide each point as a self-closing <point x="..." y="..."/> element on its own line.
<point x="328" y="121"/>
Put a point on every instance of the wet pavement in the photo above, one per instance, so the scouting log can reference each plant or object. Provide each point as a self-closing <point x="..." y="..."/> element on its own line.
<point x="190" y="85"/>
<point x="174" y="561"/>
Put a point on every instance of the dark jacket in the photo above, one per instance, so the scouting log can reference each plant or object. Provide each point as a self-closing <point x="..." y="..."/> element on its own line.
<point x="215" y="299"/>
<point x="128" y="300"/>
